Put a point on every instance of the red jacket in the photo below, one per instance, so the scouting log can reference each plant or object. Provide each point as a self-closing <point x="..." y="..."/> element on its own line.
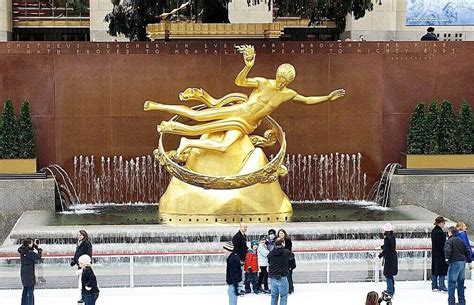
<point x="251" y="261"/>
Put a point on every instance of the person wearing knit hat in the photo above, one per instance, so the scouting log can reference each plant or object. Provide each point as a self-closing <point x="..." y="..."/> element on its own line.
<point x="389" y="254"/>
<point x="90" y="291"/>
<point x="229" y="246"/>
<point x="388" y="227"/>
<point x="233" y="272"/>
<point x="251" y="268"/>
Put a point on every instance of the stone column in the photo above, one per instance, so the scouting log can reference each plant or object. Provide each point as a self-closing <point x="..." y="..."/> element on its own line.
<point x="6" y="20"/>
<point x="379" y="24"/>
<point x="98" y="27"/>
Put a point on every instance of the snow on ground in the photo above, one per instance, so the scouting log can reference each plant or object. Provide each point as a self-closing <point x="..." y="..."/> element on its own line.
<point x="407" y="293"/>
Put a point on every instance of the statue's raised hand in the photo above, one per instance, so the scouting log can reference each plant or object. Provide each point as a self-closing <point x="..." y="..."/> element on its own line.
<point x="336" y="94"/>
<point x="248" y="51"/>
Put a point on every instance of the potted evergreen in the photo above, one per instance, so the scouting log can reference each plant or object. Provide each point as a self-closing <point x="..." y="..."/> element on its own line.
<point x="437" y="140"/>
<point x="17" y="149"/>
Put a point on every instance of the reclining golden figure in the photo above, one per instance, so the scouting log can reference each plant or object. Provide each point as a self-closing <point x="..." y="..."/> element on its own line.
<point x="236" y="114"/>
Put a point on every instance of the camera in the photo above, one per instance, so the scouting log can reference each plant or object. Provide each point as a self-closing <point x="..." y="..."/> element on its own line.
<point x="385" y="297"/>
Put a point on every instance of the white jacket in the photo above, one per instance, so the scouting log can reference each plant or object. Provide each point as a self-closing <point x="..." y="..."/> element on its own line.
<point x="262" y="252"/>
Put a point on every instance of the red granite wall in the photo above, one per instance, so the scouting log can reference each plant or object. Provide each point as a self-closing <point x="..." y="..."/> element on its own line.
<point x="87" y="98"/>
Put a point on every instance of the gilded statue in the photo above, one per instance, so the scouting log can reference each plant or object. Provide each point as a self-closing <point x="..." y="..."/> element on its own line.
<point x="244" y="114"/>
<point x="225" y="171"/>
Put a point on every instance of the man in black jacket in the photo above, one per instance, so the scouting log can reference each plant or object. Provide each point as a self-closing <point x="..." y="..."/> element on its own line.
<point x="233" y="272"/>
<point x="439" y="268"/>
<point x="280" y="260"/>
<point x="430" y="35"/>
<point x="239" y="242"/>
<point x="457" y="255"/>
<point x="30" y="254"/>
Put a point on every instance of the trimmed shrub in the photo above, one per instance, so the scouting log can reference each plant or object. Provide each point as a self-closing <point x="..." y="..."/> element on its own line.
<point x="432" y="129"/>
<point x="8" y="132"/>
<point x="417" y="131"/>
<point x="465" y="130"/>
<point x="447" y="129"/>
<point x="26" y="135"/>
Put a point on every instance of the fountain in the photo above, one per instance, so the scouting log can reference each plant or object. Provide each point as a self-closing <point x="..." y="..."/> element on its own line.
<point x="310" y="178"/>
<point x="130" y="207"/>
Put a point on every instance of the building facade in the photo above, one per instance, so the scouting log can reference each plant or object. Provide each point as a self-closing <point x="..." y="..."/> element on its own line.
<point x="389" y="21"/>
<point x="51" y="20"/>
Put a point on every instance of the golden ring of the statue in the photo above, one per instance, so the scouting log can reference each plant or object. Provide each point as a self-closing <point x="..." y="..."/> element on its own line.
<point x="267" y="174"/>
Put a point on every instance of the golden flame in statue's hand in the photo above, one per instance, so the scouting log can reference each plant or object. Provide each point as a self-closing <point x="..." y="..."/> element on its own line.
<point x="248" y="51"/>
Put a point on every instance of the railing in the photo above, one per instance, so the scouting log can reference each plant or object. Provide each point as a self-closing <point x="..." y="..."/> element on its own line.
<point x="208" y="268"/>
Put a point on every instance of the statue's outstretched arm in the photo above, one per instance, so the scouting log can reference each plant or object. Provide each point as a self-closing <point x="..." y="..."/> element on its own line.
<point x="241" y="80"/>
<point x="311" y="100"/>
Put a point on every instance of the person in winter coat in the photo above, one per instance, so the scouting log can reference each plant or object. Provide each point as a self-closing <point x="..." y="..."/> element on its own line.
<point x="90" y="291"/>
<point x="30" y="254"/>
<point x="240" y="247"/>
<point x="288" y="245"/>
<point x="271" y="239"/>
<point x="456" y="255"/>
<point x="83" y="246"/>
<point x="462" y="234"/>
<point x="251" y="268"/>
<point x="430" y="35"/>
<point x="439" y="268"/>
<point x="262" y="252"/>
<point x="280" y="261"/>
<point x="389" y="254"/>
<point x="233" y="273"/>
<point x="240" y="242"/>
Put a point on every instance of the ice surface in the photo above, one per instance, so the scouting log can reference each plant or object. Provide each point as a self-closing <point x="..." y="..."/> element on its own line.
<point x="407" y="293"/>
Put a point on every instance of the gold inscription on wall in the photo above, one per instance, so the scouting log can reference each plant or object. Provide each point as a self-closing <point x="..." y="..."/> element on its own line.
<point x="395" y="50"/>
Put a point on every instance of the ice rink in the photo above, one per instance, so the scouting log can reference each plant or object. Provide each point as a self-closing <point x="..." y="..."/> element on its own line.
<point x="407" y="293"/>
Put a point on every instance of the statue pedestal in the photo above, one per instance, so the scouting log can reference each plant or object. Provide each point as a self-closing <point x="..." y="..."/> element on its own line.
<point x="266" y="201"/>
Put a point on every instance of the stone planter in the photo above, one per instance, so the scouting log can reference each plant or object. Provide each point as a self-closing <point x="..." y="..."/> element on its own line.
<point x="438" y="161"/>
<point x="17" y="166"/>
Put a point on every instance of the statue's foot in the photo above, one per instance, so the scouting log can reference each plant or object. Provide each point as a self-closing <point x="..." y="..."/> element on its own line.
<point x="183" y="146"/>
<point x="149" y="105"/>
<point x="179" y="158"/>
<point x="165" y="126"/>
<point x="191" y="94"/>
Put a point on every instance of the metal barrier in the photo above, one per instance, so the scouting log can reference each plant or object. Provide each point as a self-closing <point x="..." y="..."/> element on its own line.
<point x="208" y="268"/>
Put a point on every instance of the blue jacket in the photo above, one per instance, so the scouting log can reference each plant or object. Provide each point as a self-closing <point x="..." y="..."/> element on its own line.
<point x="463" y="236"/>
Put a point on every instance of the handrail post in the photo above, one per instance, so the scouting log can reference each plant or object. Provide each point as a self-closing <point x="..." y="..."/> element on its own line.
<point x="132" y="282"/>
<point x="182" y="270"/>
<point x="425" y="265"/>
<point x="328" y="264"/>
<point x="376" y="268"/>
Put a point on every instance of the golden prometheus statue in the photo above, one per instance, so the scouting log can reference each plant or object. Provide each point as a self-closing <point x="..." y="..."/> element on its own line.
<point x="225" y="173"/>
